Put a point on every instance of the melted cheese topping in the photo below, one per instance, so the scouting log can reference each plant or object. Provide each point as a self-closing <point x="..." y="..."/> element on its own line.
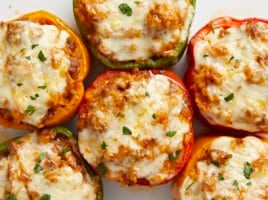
<point x="128" y="122"/>
<point x="231" y="71"/>
<point x="33" y="169"/>
<point x="154" y="28"/>
<point x="242" y="174"/>
<point x="33" y="68"/>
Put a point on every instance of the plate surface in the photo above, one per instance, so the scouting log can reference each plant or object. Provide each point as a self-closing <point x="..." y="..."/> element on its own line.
<point x="205" y="11"/>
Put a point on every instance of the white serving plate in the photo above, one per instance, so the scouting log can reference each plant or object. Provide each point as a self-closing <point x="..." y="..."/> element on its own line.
<point x="205" y="11"/>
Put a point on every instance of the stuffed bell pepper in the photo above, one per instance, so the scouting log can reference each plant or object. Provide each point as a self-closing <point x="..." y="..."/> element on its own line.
<point x="42" y="67"/>
<point x="225" y="168"/>
<point x="46" y="165"/>
<point x="135" y="34"/>
<point x="228" y="73"/>
<point x="135" y="127"/>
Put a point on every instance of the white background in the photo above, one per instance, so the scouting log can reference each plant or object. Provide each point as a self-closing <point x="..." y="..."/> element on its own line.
<point x="205" y="11"/>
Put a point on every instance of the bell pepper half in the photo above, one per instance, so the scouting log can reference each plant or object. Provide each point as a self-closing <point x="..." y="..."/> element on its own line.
<point x="87" y="25"/>
<point x="224" y="167"/>
<point x="135" y="127"/>
<point x="61" y="111"/>
<point x="46" y="156"/>
<point x="227" y="71"/>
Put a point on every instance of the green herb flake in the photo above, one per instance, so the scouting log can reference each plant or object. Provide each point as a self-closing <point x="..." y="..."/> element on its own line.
<point x="45" y="197"/>
<point x="205" y="55"/>
<point x="101" y="168"/>
<point x="42" y="86"/>
<point x="235" y="184"/>
<point x="147" y="94"/>
<point x="173" y="156"/>
<point x="224" y="198"/>
<point x="37" y="168"/>
<point x="22" y="50"/>
<point x="229" y="97"/>
<point x="125" y="9"/>
<point x="126" y="131"/>
<point x="189" y="186"/>
<point x="154" y="116"/>
<point x="34" y="45"/>
<point x="19" y="84"/>
<point x="30" y="109"/>
<point x="34" y="97"/>
<point x="231" y="58"/>
<point x="42" y="156"/>
<point x="11" y="196"/>
<point x="28" y="57"/>
<point x="65" y="150"/>
<point x="249" y="183"/>
<point x="137" y="2"/>
<point x="103" y="145"/>
<point x="41" y="56"/>
<point x="220" y="177"/>
<point x="171" y="133"/>
<point x="248" y="170"/>
<point x="216" y="163"/>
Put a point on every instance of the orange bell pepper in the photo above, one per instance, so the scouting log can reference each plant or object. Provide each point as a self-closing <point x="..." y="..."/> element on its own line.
<point x="66" y="108"/>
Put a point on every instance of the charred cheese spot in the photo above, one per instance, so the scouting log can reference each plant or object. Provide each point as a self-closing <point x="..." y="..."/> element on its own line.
<point x="33" y="56"/>
<point x="137" y="146"/>
<point x="154" y="28"/>
<point x="242" y="176"/>
<point x="233" y="61"/>
<point x="60" y="176"/>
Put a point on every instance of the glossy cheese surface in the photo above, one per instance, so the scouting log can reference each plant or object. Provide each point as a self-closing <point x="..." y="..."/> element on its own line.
<point x="137" y="30"/>
<point x="33" y="69"/>
<point x="230" y="78"/>
<point x="231" y="168"/>
<point x="36" y="167"/>
<point x="136" y="125"/>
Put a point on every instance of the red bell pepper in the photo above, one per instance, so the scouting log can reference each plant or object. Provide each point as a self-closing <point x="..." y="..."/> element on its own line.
<point x="104" y="106"/>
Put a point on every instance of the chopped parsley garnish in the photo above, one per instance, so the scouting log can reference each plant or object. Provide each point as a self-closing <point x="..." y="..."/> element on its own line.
<point x="34" y="97"/>
<point x="19" y="84"/>
<point x="125" y="9"/>
<point x="216" y="163"/>
<point x="126" y="131"/>
<point x="249" y="183"/>
<point x="28" y="57"/>
<point x="154" y="116"/>
<point x="231" y="58"/>
<point x="147" y="94"/>
<point x="173" y="156"/>
<point x="41" y="56"/>
<point x="42" y="86"/>
<point x="220" y="177"/>
<point x="189" y="186"/>
<point x="102" y="168"/>
<point x="229" y="97"/>
<point x="247" y="170"/>
<point x="137" y="2"/>
<point x="34" y="45"/>
<point x="45" y="197"/>
<point x="65" y="150"/>
<point x="42" y="156"/>
<point x="38" y="168"/>
<point x="171" y="133"/>
<point x="235" y="184"/>
<point x="103" y="145"/>
<point x="205" y="55"/>
<point x="11" y="196"/>
<point x="224" y="198"/>
<point x="30" y="109"/>
<point x="22" y="50"/>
